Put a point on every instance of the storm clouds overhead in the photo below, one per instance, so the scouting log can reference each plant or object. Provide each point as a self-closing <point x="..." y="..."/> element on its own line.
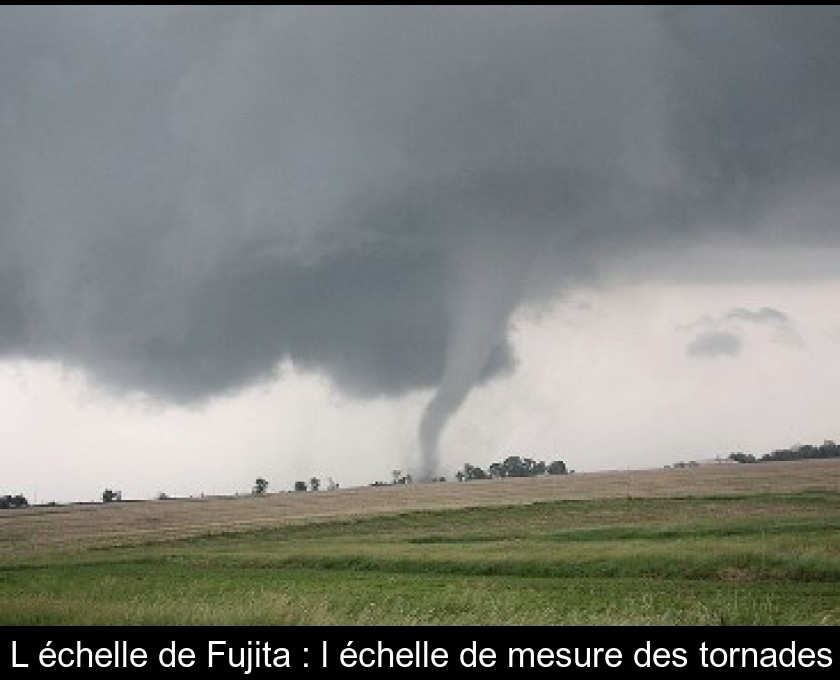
<point x="189" y="197"/>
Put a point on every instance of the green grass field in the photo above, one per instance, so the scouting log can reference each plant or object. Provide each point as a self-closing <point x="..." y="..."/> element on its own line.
<point x="764" y="558"/>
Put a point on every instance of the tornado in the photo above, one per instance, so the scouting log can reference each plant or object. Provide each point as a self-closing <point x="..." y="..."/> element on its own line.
<point x="488" y="278"/>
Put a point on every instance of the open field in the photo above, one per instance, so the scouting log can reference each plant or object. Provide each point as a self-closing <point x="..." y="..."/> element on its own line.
<point x="746" y="544"/>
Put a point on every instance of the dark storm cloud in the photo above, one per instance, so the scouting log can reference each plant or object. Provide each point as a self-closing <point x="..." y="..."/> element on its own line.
<point x="189" y="196"/>
<point x="758" y="107"/>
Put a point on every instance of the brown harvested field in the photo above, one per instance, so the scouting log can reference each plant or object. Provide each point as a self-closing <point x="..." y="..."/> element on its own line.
<point x="73" y="527"/>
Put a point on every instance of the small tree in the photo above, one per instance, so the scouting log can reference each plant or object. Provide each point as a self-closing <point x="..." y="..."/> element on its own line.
<point x="314" y="484"/>
<point x="260" y="486"/>
<point x="109" y="496"/>
<point x="19" y="501"/>
<point x="557" y="467"/>
<point x="473" y="472"/>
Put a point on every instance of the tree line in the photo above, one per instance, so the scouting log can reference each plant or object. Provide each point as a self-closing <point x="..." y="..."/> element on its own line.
<point x="513" y="466"/>
<point x="828" y="449"/>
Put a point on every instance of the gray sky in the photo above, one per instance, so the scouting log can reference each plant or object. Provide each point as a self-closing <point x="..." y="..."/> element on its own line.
<point x="273" y="241"/>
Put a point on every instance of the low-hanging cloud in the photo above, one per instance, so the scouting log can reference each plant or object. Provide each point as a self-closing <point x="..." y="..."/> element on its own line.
<point x="722" y="336"/>
<point x="782" y="328"/>
<point x="714" y="344"/>
<point x="188" y="197"/>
